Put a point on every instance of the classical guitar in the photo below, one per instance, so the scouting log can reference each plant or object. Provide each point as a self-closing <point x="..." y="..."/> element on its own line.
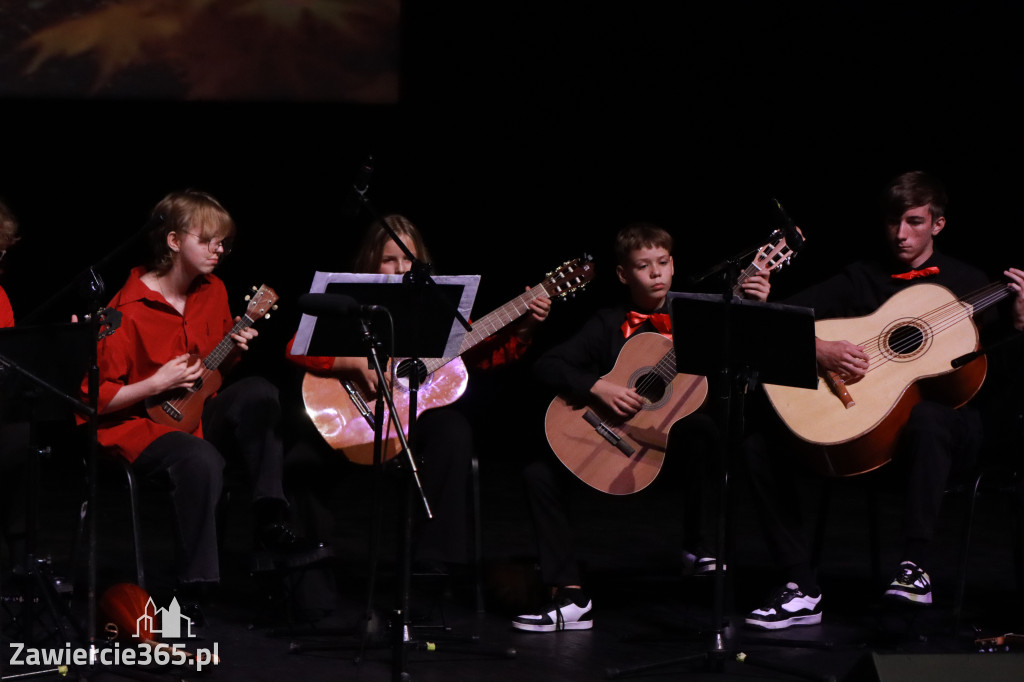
<point x="911" y="341"/>
<point x="182" y="408"/>
<point x="624" y="456"/>
<point x="345" y="417"/>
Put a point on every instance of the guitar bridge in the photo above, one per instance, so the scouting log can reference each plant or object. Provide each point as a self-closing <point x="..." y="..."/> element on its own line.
<point x="606" y="432"/>
<point x="171" y="411"/>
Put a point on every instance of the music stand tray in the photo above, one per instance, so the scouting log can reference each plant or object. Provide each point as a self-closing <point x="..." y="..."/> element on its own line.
<point x="774" y="340"/>
<point x="46" y="366"/>
<point x="425" y="326"/>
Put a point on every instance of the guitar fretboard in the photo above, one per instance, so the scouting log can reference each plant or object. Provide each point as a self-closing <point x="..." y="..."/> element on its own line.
<point x="226" y="345"/>
<point x="491" y="323"/>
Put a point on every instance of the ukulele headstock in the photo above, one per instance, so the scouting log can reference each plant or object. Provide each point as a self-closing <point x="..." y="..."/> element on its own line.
<point x="261" y="302"/>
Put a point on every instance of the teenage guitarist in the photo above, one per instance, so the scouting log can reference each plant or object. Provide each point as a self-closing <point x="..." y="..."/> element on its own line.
<point x="575" y="368"/>
<point x="443" y="438"/>
<point x="937" y="439"/>
<point x="174" y="313"/>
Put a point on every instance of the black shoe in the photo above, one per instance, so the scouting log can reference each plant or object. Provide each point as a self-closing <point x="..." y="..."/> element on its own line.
<point x="699" y="562"/>
<point x="911" y="585"/>
<point x="785" y="607"/>
<point x="286" y="548"/>
<point x="569" y="610"/>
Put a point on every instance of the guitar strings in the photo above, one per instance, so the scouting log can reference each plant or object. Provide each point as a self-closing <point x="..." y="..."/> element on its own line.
<point x="938" y="320"/>
<point x="217" y="353"/>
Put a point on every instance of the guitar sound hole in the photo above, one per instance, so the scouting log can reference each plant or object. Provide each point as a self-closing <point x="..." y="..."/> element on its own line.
<point x="905" y="340"/>
<point x="651" y="387"/>
<point x="405" y="369"/>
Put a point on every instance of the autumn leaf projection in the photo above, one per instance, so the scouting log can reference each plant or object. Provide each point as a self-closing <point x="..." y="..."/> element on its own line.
<point x="224" y="49"/>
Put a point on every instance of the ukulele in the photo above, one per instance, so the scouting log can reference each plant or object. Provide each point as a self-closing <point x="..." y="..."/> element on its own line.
<point x="182" y="408"/>
<point x="619" y="456"/>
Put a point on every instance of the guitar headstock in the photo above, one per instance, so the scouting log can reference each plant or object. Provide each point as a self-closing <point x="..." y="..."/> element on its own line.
<point x="261" y="302"/>
<point x="569" y="277"/>
<point x="775" y="253"/>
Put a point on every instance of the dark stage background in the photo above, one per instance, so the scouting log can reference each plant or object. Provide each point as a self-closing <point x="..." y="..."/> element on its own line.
<point x="527" y="133"/>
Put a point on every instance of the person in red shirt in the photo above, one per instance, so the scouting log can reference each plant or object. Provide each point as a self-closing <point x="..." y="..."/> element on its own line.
<point x="444" y="440"/>
<point x="14" y="436"/>
<point x="175" y="311"/>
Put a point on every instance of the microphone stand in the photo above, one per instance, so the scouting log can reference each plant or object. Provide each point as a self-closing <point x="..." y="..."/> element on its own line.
<point x="418" y="275"/>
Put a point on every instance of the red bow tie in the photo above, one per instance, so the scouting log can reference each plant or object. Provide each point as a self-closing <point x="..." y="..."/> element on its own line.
<point x="634" y="319"/>
<point x="914" y="274"/>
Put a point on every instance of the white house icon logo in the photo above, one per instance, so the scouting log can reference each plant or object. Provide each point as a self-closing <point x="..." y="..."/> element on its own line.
<point x="170" y="621"/>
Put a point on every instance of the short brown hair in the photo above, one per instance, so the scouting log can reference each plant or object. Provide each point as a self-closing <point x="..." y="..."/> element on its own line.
<point x="910" y="190"/>
<point x="184" y="211"/>
<point x="639" y="236"/>
<point x="372" y="249"/>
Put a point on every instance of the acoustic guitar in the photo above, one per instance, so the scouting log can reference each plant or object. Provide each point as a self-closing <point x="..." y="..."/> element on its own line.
<point x="621" y="457"/>
<point x="345" y="417"/>
<point x="911" y="341"/>
<point x="182" y="408"/>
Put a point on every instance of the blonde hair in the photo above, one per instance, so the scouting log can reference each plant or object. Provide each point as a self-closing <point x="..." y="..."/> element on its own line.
<point x="179" y="211"/>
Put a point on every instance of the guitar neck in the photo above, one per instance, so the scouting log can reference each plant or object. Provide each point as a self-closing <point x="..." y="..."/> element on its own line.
<point x="226" y="345"/>
<point x="986" y="296"/>
<point x="748" y="272"/>
<point x="491" y="323"/>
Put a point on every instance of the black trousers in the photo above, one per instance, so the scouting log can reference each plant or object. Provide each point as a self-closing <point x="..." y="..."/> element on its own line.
<point x="443" y="444"/>
<point x="938" y="441"/>
<point x="693" y="442"/>
<point x="241" y="421"/>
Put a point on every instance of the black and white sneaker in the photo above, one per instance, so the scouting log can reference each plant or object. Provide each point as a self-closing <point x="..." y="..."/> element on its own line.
<point x="569" y="610"/>
<point x="699" y="562"/>
<point x="785" y="607"/>
<point x="911" y="584"/>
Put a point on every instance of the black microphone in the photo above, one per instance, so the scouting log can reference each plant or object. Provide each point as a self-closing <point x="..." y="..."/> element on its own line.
<point x="794" y="239"/>
<point x="338" y="305"/>
<point x="361" y="184"/>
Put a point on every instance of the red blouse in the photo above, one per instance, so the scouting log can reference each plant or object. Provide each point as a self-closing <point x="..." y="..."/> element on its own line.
<point x="6" y="311"/>
<point x="152" y="332"/>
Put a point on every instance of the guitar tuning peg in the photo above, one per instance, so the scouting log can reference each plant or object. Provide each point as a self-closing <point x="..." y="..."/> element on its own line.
<point x="247" y="297"/>
<point x="267" y="316"/>
<point x="273" y="307"/>
<point x="253" y="288"/>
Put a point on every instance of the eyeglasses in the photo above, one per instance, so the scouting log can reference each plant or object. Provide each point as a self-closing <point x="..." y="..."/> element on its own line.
<point x="213" y="244"/>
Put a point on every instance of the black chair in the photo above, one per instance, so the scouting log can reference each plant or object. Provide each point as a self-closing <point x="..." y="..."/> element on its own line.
<point x="999" y="478"/>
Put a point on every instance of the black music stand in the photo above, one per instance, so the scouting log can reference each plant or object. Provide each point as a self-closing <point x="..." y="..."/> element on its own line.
<point x="422" y="324"/>
<point x="744" y="343"/>
<point x="41" y="370"/>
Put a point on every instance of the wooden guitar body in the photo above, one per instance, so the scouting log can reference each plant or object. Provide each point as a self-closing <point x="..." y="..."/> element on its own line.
<point x="914" y="336"/>
<point x="345" y="417"/>
<point x="341" y="421"/>
<point x="182" y="408"/>
<point x="623" y="457"/>
<point x="162" y="409"/>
